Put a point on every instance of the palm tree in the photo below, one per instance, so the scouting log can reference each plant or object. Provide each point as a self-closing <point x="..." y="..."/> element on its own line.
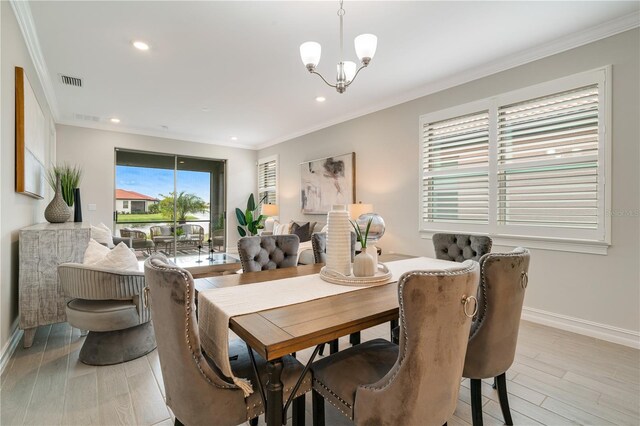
<point x="185" y="203"/>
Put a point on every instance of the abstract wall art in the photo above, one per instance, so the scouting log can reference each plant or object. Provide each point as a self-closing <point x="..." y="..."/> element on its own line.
<point x="326" y="182"/>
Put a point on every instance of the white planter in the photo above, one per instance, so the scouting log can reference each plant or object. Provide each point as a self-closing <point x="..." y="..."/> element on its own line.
<point x="364" y="265"/>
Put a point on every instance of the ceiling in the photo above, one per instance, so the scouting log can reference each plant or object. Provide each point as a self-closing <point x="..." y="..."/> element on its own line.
<point x="217" y="70"/>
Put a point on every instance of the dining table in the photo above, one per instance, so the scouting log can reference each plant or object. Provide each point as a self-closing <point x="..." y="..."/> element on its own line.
<point x="276" y="332"/>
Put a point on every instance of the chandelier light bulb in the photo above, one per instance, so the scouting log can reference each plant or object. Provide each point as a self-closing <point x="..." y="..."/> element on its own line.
<point x="310" y="54"/>
<point x="366" y="47"/>
<point x="349" y="70"/>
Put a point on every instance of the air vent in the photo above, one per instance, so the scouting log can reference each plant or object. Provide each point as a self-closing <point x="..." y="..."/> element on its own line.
<point x="70" y="81"/>
<point x="87" y="117"/>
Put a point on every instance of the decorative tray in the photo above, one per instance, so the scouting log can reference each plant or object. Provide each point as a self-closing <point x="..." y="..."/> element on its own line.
<point x="382" y="276"/>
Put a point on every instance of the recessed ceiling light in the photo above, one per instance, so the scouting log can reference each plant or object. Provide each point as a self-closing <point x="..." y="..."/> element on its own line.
<point x="140" y="45"/>
<point x="321" y="99"/>
<point x="234" y="138"/>
<point x="115" y="120"/>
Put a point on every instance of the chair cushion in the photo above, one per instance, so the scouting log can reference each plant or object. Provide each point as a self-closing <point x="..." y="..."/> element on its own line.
<point x="102" y="315"/>
<point x="338" y="376"/>
<point x="241" y="367"/>
<point x="461" y="247"/>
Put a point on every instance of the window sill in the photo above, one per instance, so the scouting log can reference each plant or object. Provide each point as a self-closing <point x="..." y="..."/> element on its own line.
<point x="556" y="244"/>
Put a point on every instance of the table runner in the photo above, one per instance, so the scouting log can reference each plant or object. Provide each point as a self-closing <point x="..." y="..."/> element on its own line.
<point x="217" y="306"/>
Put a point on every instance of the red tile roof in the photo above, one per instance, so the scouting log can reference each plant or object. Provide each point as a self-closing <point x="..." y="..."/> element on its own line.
<point x="123" y="194"/>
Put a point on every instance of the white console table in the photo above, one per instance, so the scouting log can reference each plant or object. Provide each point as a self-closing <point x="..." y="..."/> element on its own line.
<point x="42" y="248"/>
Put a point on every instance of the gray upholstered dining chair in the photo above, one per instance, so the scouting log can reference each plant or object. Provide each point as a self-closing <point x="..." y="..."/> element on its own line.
<point x="494" y="331"/>
<point x="319" y="245"/>
<point x="461" y="247"/>
<point x="109" y="304"/>
<point x="417" y="382"/>
<point x="195" y="390"/>
<point x="455" y="248"/>
<point x="260" y="253"/>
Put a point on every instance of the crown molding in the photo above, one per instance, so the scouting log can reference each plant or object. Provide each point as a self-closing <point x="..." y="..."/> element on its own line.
<point x="153" y="133"/>
<point x="22" y="11"/>
<point x="571" y="41"/>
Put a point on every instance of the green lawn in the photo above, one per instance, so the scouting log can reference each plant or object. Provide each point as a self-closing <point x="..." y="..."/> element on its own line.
<point x="141" y="218"/>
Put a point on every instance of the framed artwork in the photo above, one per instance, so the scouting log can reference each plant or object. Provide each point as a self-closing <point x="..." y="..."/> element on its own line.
<point x="326" y="182"/>
<point x="31" y="135"/>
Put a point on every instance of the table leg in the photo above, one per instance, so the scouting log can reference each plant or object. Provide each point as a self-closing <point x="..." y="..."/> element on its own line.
<point x="274" y="393"/>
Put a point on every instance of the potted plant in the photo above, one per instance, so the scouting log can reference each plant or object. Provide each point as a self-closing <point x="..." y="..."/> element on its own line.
<point x="69" y="178"/>
<point x="364" y="264"/>
<point x="249" y="221"/>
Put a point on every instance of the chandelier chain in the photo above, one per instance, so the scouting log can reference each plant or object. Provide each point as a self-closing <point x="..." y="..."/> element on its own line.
<point x="341" y="13"/>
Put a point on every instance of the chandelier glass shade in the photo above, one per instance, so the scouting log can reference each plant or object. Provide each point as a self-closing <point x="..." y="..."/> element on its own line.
<point x="347" y="71"/>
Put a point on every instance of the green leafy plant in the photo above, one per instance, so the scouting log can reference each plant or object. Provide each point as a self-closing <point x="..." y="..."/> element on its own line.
<point x="362" y="237"/>
<point x="185" y="203"/>
<point x="249" y="221"/>
<point x="69" y="180"/>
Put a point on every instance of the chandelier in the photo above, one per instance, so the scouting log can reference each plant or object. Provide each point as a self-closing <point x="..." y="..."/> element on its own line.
<point x="365" y="49"/>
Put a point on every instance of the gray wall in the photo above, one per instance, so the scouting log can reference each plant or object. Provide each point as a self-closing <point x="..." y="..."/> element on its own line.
<point x="602" y="289"/>
<point x="94" y="149"/>
<point x="16" y="210"/>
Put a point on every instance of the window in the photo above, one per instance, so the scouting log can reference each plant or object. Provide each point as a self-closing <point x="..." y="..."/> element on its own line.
<point x="268" y="179"/>
<point x="125" y="204"/>
<point x="526" y="164"/>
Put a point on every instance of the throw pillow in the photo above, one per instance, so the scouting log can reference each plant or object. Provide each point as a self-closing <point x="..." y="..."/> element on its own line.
<point x="302" y="231"/>
<point x="102" y="234"/>
<point x="121" y="258"/>
<point x="94" y="253"/>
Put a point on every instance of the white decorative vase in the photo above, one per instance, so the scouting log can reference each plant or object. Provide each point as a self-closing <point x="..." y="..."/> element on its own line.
<point x="373" y="252"/>
<point x="339" y="240"/>
<point x="364" y="265"/>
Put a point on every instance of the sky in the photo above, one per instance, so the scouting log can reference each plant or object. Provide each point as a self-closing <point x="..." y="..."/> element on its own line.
<point x="154" y="182"/>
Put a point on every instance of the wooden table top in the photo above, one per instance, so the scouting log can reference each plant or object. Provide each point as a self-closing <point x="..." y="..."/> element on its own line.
<point x="280" y="331"/>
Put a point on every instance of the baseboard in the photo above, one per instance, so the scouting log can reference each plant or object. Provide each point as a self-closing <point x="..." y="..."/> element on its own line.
<point x="609" y="333"/>
<point x="9" y="348"/>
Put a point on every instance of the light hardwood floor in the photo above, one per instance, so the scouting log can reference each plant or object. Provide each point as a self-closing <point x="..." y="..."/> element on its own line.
<point x="558" y="378"/>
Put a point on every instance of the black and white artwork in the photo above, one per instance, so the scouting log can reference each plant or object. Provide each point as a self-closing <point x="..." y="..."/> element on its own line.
<point x="326" y="182"/>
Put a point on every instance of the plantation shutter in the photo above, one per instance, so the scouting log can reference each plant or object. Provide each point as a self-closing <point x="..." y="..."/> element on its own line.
<point x="455" y="170"/>
<point x="548" y="171"/>
<point x="267" y="180"/>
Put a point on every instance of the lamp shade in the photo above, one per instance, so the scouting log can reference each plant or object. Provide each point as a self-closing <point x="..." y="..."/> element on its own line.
<point x="355" y="210"/>
<point x="310" y="53"/>
<point x="366" y="46"/>
<point x="270" y="210"/>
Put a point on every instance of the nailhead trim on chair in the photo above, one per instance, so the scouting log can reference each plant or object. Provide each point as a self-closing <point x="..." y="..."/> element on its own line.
<point x="323" y="391"/>
<point x="188" y="326"/>
<point x="262" y="410"/>
<point x="483" y="262"/>
<point x="401" y="283"/>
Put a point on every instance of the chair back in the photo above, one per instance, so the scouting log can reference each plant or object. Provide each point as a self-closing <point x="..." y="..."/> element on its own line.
<point x="260" y="253"/>
<point x="194" y="391"/>
<point x="422" y="387"/>
<point x="319" y="245"/>
<point x="494" y="332"/>
<point x="461" y="247"/>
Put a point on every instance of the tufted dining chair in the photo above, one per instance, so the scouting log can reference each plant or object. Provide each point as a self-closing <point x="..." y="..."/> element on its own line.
<point x="460" y="247"/>
<point x="494" y="331"/>
<point x="417" y="382"/>
<point x="260" y="253"/>
<point x="319" y="245"/>
<point x="195" y="390"/>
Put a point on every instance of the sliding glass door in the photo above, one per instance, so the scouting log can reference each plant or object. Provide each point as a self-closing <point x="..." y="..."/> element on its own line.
<point x="169" y="204"/>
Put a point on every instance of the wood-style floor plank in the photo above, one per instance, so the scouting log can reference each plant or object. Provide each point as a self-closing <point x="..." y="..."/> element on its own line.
<point x="47" y="401"/>
<point x="558" y="378"/>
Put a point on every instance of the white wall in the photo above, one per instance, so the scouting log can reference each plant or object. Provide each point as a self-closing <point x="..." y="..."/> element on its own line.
<point x="16" y="210"/>
<point x="93" y="150"/>
<point x="601" y="289"/>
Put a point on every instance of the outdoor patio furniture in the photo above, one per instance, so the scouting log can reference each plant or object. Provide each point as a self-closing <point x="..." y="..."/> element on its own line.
<point x="139" y="240"/>
<point x="188" y="236"/>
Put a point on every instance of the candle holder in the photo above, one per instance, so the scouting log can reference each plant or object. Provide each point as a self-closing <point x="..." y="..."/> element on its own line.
<point x="199" y="251"/>
<point x="210" y="241"/>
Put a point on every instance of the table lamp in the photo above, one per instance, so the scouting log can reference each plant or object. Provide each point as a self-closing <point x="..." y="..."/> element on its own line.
<point x="269" y="210"/>
<point x="356" y="210"/>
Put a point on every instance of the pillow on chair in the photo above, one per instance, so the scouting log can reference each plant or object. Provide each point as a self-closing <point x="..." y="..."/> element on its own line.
<point x="302" y="231"/>
<point x="102" y="234"/>
<point x="120" y="258"/>
<point x="94" y="253"/>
